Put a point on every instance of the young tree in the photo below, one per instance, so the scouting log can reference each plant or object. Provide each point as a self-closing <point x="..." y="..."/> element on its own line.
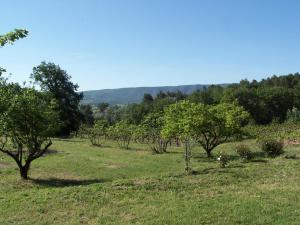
<point x="98" y="131"/>
<point x="27" y="122"/>
<point x="179" y="123"/>
<point x="122" y="132"/>
<point x="150" y="131"/>
<point x="56" y="81"/>
<point x="214" y="125"/>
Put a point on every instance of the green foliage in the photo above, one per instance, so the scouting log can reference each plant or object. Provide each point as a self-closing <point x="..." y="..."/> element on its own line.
<point x="293" y="115"/>
<point x="216" y="124"/>
<point x="150" y="132"/>
<point x="271" y="147"/>
<point x="55" y="81"/>
<point x="27" y="122"/>
<point x="286" y="131"/>
<point x="180" y="119"/>
<point x="83" y="131"/>
<point x="244" y="152"/>
<point x="266" y="100"/>
<point x="103" y="106"/>
<point x="209" y="95"/>
<point x="113" y="114"/>
<point x="87" y="115"/>
<point x="209" y="125"/>
<point x="123" y="133"/>
<point x="10" y="38"/>
<point x="98" y="132"/>
<point x="179" y="122"/>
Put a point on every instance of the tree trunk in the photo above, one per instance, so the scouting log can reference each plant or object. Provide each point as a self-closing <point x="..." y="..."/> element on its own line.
<point x="208" y="152"/>
<point x="24" y="171"/>
<point x="188" y="167"/>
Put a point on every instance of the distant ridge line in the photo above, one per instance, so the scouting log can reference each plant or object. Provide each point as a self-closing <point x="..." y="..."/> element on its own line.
<point x="129" y="95"/>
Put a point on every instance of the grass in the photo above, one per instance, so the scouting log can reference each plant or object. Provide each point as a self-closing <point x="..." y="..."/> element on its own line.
<point x="80" y="184"/>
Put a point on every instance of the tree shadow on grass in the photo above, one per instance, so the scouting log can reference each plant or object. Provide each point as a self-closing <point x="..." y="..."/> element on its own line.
<point x="55" y="182"/>
<point x="259" y="154"/>
<point x="258" y="161"/>
<point x="70" y="140"/>
<point x="50" y="152"/>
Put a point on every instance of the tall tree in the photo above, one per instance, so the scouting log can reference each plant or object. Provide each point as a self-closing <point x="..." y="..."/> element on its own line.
<point x="57" y="82"/>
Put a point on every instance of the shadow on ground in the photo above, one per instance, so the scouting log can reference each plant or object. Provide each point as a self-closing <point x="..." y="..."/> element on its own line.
<point x="50" y="152"/>
<point x="69" y="140"/>
<point x="55" y="182"/>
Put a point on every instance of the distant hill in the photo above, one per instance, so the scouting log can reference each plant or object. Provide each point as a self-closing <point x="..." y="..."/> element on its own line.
<point x="133" y="95"/>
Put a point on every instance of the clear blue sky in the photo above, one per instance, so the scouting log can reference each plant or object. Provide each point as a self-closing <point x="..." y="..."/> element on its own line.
<point x="125" y="43"/>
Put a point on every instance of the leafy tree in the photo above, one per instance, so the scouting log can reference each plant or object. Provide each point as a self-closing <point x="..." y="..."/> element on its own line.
<point x="150" y="131"/>
<point x="103" y="106"/>
<point x="148" y="98"/>
<point x="56" y="81"/>
<point x="179" y="123"/>
<point x="267" y="100"/>
<point x="135" y="113"/>
<point x="27" y="122"/>
<point x="214" y="125"/>
<point x="114" y="114"/>
<point x="293" y="115"/>
<point x="123" y="133"/>
<point x="10" y="38"/>
<point x="87" y="115"/>
<point x="209" y="95"/>
<point x="83" y="131"/>
<point x="98" y="132"/>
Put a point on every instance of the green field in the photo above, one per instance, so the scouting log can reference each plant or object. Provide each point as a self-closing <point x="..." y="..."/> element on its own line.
<point x="79" y="184"/>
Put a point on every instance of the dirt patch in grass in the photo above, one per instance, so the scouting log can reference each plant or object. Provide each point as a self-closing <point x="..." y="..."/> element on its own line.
<point x="128" y="217"/>
<point x="5" y="165"/>
<point x="115" y="166"/>
<point x="140" y="182"/>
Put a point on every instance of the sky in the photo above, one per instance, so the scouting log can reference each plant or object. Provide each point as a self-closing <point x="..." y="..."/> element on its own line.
<point x="128" y="43"/>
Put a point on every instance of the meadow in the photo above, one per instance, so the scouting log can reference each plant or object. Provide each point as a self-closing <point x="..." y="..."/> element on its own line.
<point x="77" y="183"/>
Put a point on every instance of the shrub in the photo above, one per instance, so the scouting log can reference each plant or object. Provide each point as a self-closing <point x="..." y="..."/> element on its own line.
<point x="293" y="115"/>
<point x="97" y="133"/>
<point x="272" y="147"/>
<point x="122" y="132"/>
<point x="244" y="152"/>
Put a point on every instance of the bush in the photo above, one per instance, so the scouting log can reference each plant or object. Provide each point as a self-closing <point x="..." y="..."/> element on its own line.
<point x="293" y="115"/>
<point x="97" y="133"/>
<point x="244" y="152"/>
<point x="272" y="147"/>
<point x="122" y="132"/>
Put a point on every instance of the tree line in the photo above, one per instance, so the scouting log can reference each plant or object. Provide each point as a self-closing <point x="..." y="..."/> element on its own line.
<point x="275" y="99"/>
